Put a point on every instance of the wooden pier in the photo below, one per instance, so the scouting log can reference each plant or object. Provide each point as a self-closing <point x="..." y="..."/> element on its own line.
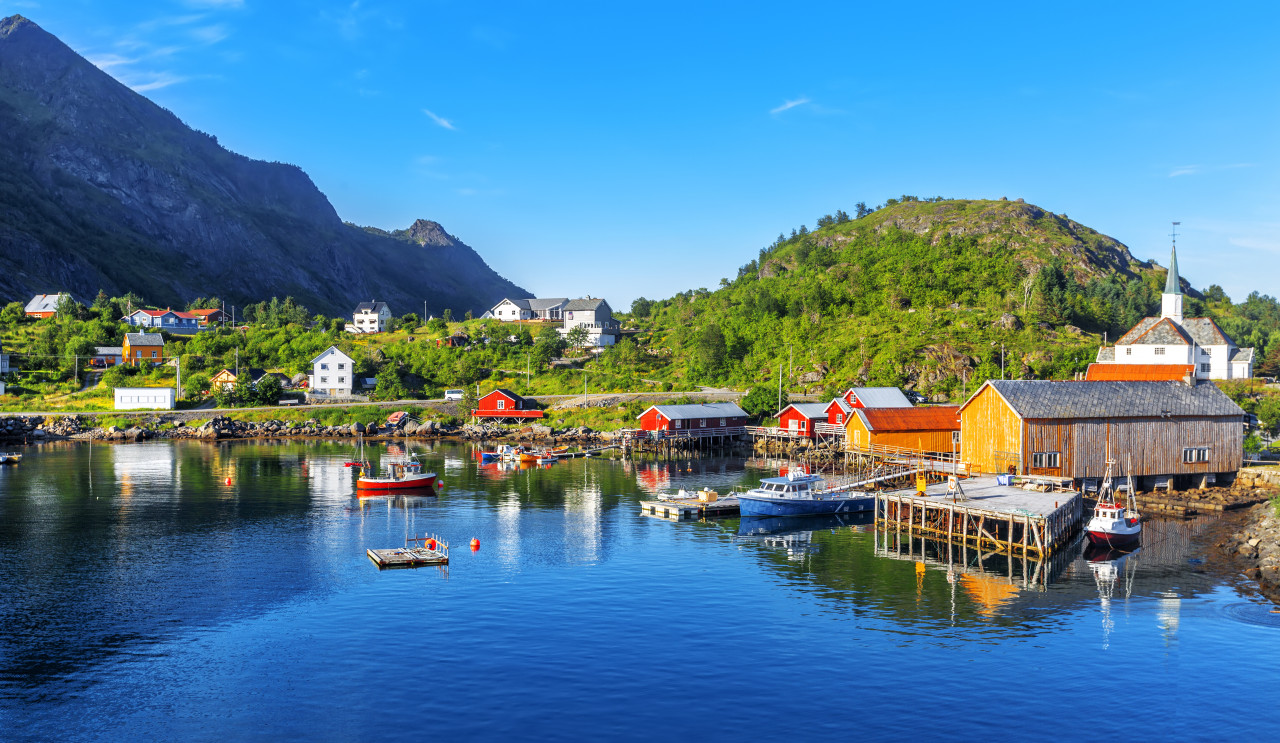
<point x="431" y="552"/>
<point x="684" y="509"/>
<point x="1026" y="572"/>
<point x="987" y="516"/>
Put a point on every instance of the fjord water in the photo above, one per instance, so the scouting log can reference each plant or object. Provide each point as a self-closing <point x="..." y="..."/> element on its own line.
<point x="143" y="598"/>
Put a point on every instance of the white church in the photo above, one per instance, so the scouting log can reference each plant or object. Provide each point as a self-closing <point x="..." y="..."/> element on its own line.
<point x="1195" y="342"/>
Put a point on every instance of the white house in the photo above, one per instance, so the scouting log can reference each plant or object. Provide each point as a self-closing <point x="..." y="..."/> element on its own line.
<point x="4" y="367"/>
<point x="332" y="373"/>
<point x="1174" y="339"/>
<point x="593" y="314"/>
<point x="509" y="310"/>
<point x="145" y="398"/>
<point x="370" y="317"/>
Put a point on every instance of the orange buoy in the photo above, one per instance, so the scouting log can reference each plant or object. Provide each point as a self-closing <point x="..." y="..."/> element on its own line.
<point x="431" y="544"/>
<point x="475" y="544"/>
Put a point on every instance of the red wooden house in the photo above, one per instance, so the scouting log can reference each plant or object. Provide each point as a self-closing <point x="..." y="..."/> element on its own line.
<point x="799" y="417"/>
<point x="502" y="403"/>
<point x="692" y="417"/>
<point x="840" y="410"/>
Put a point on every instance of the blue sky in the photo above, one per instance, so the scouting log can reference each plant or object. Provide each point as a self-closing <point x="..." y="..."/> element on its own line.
<point x="627" y="149"/>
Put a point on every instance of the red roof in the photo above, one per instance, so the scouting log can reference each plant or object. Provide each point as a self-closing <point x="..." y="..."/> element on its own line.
<point x="203" y="313"/>
<point x="937" y="418"/>
<point x="1140" y="372"/>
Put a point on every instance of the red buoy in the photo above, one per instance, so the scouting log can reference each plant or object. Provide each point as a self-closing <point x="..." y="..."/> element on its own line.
<point x="431" y="544"/>
<point x="439" y="485"/>
<point x="475" y="544"/>
<point x="227" y="481"/>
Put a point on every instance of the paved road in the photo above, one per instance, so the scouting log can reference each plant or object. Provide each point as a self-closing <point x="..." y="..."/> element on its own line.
<point x="201" y="412"/>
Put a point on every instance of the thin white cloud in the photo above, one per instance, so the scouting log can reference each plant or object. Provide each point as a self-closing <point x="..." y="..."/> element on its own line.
<point x="1184" y="170"/>
<point x="105" y="62"/>
<point x="158" y="81"/>
<point x="1196" y="169"/>
<point x="789" y="105"/>
<point x="211" y="34"/>
<point x="216" y="3"/>
<point x="440" y="120"/>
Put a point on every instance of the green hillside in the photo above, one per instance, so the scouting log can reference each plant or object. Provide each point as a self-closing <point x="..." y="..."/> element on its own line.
<point x="923" y="294"/>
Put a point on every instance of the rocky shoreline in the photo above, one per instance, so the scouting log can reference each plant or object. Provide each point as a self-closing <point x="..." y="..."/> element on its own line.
<point x="1255" y="547"/>
<point x="34" y="429"/>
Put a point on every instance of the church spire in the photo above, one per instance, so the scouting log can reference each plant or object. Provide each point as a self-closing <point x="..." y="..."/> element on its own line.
<point x="1171" y="300"/>
<point x="1172" y="285"/>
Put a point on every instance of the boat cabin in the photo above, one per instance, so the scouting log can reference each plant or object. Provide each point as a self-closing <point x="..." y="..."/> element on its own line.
<point x="799" y="486"/>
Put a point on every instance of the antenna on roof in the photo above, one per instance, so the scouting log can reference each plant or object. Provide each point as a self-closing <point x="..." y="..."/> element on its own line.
<point x="1174" y="234"/>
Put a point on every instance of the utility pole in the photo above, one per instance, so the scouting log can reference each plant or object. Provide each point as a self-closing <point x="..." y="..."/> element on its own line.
<point x="791" y="358"/>
<point x="179" y="397"/>
<point x="779" y="386"/>
<point x="1002" y="361"/>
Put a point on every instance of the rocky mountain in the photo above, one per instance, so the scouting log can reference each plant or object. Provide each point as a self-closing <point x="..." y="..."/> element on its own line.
<point x="102" y="189"/>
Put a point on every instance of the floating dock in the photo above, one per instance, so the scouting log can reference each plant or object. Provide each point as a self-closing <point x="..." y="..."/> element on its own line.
<point x="431" y="552"/>
<point x="987" y="516"/>
<point x="683" y="509"/>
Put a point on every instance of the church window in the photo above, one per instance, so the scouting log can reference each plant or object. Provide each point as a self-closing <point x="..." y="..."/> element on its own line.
<point x="1159" y="351"/>
<point x="1205" y="368"/>
<point x="1128" y="351"/>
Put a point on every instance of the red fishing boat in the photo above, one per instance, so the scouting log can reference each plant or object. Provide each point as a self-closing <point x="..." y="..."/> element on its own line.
<point x="1114" y="524"/>
<point x="399" y="473"/>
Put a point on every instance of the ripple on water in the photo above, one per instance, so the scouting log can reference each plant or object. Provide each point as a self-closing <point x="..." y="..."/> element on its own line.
<point x="1250" y="612"/>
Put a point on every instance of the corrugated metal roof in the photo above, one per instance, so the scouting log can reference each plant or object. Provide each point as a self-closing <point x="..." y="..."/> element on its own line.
<point x="808" y="409"/>
<point x="936" y="418"/>
<point x="704" y="410"/>
<point x="145" y="339"/>
<point x="1045" y="399"/>
<point x="45" y="303"/>
<point x="1140" y="372"/>
<point x="840" y="403"/>
<point x="882" y="397"/>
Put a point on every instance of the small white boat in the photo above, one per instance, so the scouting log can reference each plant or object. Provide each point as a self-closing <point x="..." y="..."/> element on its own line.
<point x="1114" y="524"/>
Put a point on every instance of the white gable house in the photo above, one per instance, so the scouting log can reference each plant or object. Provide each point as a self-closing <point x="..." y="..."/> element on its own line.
<point x="370" y="317"/>
<point x="332" y="373"/>
<point x="509" y="309"/>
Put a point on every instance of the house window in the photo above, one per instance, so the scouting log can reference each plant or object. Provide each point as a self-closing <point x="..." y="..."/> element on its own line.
<point x="502" y="404"/>
<point x="342" y="380"/>
<point x="1206" y="351"/>
<point x="1205" y="368"/>
<point x="325" y="367"/>
<point x="324" y="380"/>
<point x="723" y="423"/>
<point x="1128" y="351"/>
<point x="678" y="422"/>
<point x="341" y="366"/>
<point x="1193" y="454"/>
<point x="702" y="423"/>
<point x="153" y="354"/>
<point x="1043" y="460"/>
<point x="804" y="425"/>
<point x="839" y="418"/>
<point x="1159" y="351"/>
<point x="955" y="437"/>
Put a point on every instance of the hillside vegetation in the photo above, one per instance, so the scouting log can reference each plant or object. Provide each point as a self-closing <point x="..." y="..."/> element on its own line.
<point x="924" y="294"/>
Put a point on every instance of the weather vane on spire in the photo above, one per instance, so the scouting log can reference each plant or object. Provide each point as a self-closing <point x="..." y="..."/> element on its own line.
<point x="1174" y="234"/>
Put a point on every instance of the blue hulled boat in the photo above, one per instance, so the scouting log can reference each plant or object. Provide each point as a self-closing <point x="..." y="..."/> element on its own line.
<point x="799" y="494"/>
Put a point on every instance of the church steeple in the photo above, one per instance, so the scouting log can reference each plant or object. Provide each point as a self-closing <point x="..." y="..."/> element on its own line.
<point x="1171" y="300"/>
<point x="1172" y="285"/>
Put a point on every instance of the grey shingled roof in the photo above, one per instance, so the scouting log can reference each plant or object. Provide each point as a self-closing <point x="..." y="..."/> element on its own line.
<point x="1163" y="332"/>
<point x="1205" y="331"/>
<point x="584" y="304"/>
<point x="1106" y="355"/>
<point x="1143" y="326"/>
<point x="109" y="350"/>
<point x="881" y="397"/>
<point x="144" y="339"/>
<point x="1241" y="356"/>
<point x="809" y="409"/>
<point x="705" y="410"/>
<point x="542" y="305"/>
<point x="374" y="307"/>
<point x="1046" y="399"/>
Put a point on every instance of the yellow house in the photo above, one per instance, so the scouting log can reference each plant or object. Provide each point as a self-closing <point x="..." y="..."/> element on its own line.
<point x="143" y="347"/>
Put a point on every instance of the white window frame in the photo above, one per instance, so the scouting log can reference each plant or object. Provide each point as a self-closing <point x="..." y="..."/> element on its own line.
<point x="1046" y="460"/>
<point x="678" y="423"/>
<point x="702" y="423"/>
<point x="1128" y="350"/>
<point x="1195" y="454"/>
<point x="1158" y="351"/>
<point x="1206" y="368"/>
<point x="502" y="403"/>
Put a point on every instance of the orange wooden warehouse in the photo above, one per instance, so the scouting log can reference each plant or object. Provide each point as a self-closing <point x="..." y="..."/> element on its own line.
<point x="1153" y="430"/>
<point x="930" y="429"/>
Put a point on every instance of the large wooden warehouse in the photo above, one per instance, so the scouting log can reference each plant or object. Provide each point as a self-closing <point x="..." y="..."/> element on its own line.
<point x="1065" y="429"/>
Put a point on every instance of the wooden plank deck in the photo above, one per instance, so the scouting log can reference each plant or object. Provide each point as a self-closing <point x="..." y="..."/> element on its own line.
<point x="990" y="516"/>
<point x="682" y="509"/>
<point x="432" y="552"/>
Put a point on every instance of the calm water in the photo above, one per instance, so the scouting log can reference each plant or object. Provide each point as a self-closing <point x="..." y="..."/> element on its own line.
<point x="142" y="598"/>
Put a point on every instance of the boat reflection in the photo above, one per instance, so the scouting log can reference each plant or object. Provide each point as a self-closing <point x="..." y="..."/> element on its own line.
<point x="794" y="534"/>
<point x="1112" y="569"/>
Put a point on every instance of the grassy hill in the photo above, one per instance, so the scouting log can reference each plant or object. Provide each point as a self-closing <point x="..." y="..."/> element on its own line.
<point x="924" y="295"/>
